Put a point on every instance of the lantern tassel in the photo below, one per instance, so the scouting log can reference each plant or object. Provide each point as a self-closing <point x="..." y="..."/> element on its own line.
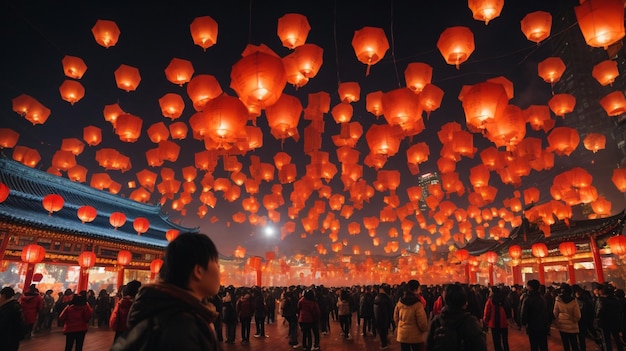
<point x="367" y="70"/>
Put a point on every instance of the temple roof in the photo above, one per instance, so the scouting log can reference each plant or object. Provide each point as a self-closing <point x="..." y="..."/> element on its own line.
<point x="29" y="186"/>
<point x="528" y="234"/>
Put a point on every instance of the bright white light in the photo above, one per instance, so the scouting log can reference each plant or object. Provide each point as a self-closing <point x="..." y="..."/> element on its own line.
<point x="269" y="231"/>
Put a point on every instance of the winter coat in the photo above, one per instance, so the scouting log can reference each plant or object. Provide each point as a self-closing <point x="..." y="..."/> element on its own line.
<point x="309" y="311"/>
<point x="468" y="328"/>
<point x="608" y="313"/>
<point x="366" y="305"/>
<point x="119" y="317"/>
<point x="245" y="308"/>
<point x="260" y="309"/>
<point x="76" y="318"/>
<point x="229" y="315"/>
<point x="31" y="303"/>
<point x="410" y="317"/>
<point x="491" y="308"/>
<point x="383" y="309"/>
<point x="165" y="317"/>
<point x="11" y="322"/>
<point x="567" y="314"/>
<point x="534" y="313"/>
<point x="343" y="307"/>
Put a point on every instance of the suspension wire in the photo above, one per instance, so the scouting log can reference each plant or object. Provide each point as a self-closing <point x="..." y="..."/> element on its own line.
<point x="250" y="22"/>
<point x="335" y="39"/>
<point x="393" y="48"/>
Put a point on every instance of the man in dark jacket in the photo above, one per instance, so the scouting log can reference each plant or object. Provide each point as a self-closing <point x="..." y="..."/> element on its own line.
<point x="609" y="318"/>
<point x="366" y="307"/>
<point x="534" y="316"/>
<point x="11" y="320"/>
<point x="454" y="316"/>
<point x="169" y="315"/>
<point x="383" y="312"/>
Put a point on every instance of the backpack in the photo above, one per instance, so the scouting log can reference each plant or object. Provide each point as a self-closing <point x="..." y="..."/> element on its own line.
<point x="445" y="338"/>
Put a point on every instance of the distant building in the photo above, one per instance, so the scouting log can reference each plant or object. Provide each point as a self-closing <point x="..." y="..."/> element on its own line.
<point x="424" y="180"/>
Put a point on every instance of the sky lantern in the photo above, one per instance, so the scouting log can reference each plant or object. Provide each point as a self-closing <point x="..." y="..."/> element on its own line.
<point x="383" y="139"/>
<point x="605" y="72"/>
<point x="172" y="105"/>
<point x="562" y="104"/>
<point x="33" y="253"/>
<point x="53" y="203"/>
<point x="124" y="257"/>
<point x="507" y="84"/>
<point x="538" y="116"/>
<point x="179" y="71"/>
<point x="117" y="219"/>
<point x="485" y="10"/>
<point x="308" y="59"/>
<point x="283" y="117"/>
<point x="178" y="130"/>
<point x="430" y="98"/>
<point x="507" y="129"/>
<point x="128" y="127"/>
<point x="402" y="108"/>
<point x="492" y="257"/>
<point x="370" y="45"/>
<point x="100" y="181"/>
<point x="537" y="25"/>
<point x="111" y="112"/>
<point x="73" y="67"/>
<point x="417" y="75"/>
<point x="617" y="244"/>
<point x="374" y="103"/>
<point x="342" y="112"/>
<point x="73" y="145"/>
<point x="614" y="103"/>
<point x="293" y="29"/>
<point x="601" y="21"/>
<point x="594" y="142"/>
<point x="294" y="76"/>
<point x="31" y="109"/>
<point x="483" y="103"/>
<point x="26" y="156"/>
<point x="87" y="213"/>
<point x="158" y="132"/>
<point x="71" y="91"/>
<point x="204" y="31"/>
<point x="106" y="33"/>
<point x="515" y="251"/>
<point x="127" y="77"/>
<point x="4" y="192"/>
<point x="563" y="140"/>
<point x="141" y="225"/>
<point x="203" y="88"/>
<point x="349" y="92"/>
<point x="226" y="118"/>
<point x="551" y="69"/>
<point x="63" y="160"/>
<point x="259" y="77"/>
<point x="539" y="250"/>
<point x="601" y="207"/>
<point x="416" y="154"/>
<point x="456" y="44"/>
<point x="619" y="179"/>
<point x="8" y="138"/>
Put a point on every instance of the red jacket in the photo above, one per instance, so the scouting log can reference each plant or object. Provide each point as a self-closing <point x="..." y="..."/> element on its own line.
<point x="490" y="315"/>
<point x="119" y="317"/>
<point x="76" y="318"/>
<point x="309" y="311"/>
<point x="31" y="305"/>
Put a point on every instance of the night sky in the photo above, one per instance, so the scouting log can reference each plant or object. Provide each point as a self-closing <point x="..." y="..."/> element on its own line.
<point x="38" y="34"/>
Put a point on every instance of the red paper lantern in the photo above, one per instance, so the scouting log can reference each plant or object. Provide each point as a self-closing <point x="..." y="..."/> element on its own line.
<point x="567" y="248"/>
<point x="456" y="44"/>
<point x="73" y="67"/>
<point x="117" y="219"/>
<point x="605" y="72"/>
<point x="370" y="45"/>
<point x="293" y="29"/>
<point x="53" y="203"/>
<point x="87" y="259"/>
<point x="551" y="69"/>
<point x="106" y="33"/>
<point x="204" y="31"/>
<point x="127" y="77"/>
<point x="124" y="257"/>
<point x="483" y="10"/>
<point x="601" y="21"/>
<point x="462" y="254"/>
<point x="492" y="257"/>
<point x="536" y="26"/>
<point x="87" y="213"/>
<point x="515" y="251"/>
<point x="33" y="253"/>
<point x="8" y="138"/>
<point x="155" y="266"/>
<point x="171" y="234"/>
<point x="617" y="244"/>
<point x="539" y="250"/>
<point x="4" y="191"/>
<point x="179" y="71"/>
<point x="141" y="225"/>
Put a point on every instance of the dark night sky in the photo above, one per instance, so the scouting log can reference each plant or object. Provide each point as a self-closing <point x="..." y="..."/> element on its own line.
<point x="38" y="34"/>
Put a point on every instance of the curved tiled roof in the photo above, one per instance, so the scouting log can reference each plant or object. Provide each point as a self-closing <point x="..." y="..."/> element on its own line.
<point x="29" y="186"/>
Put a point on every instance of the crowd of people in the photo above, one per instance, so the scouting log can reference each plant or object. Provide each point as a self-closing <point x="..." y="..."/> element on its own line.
<point x="188" y="309"/>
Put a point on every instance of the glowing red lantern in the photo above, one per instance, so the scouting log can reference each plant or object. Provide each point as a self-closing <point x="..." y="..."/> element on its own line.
<point x="71" y="91"/>
<point x="485" y="10"/>
<point x="539" y="250"/>
<point x="417" y="75"/>
<point x="515" y="251"/>
<point x="73" y="67"/>
<point x="203" y="88"/>
<point x="617" y="244"/>
<point x="141" y="225"/>
<point x="293" y="29"/>
<point x="179" y="71"/>
<point x="567" y="248"/>
<point x="483" y="103"/>
<point x="117" y="219"/>
<point x="172" y="105"/>
<point x="551" y="69"/>
<point x="155" y="266"/>
<point x="536" y="26"/>
<point x="33" y="253"/>
<point x="124" y="257"/>
<point x="605" y="72"/>
<point x="53" y="203"/>
<point x="87" y="213"/>
<point x="128" y="128"/>
<point x="8" y="138"/>
<point x="4" y="191"/>
<point x="614" y="103"/>
<point x="601" y="21"/>
<point x="456" y="44"/>
<point x="106" y="33"/>
<point x="87" y="259"/>
<point x="127" y="77"/>
<point x="492" y="257"/>
<point x="171" y="234"/>
<point x="204" y="31"/>
<point x="226" y="118"/>
<point x="462" y="254"/>
<point x="561" y="104"/>
<point x="370" y="45"/>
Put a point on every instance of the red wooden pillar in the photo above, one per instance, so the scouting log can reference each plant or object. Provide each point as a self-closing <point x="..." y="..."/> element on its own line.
<point x="571" y="272"/>
<point x="259" y="277"/>
<point x="472" y="277"/>
<point x="468" y="272"/>
<point x="83" y="279"/>
<point x="120" y="278"/>
<point x="491" y="281"/>
<point x="28" y="279"/>
<point x="517" y="275"/>
<point x="597" y="260"/>
<point x="3" y="245"/>
<point x="541" y="271"/>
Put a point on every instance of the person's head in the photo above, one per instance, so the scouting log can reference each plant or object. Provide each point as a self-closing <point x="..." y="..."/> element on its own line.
<point x="132" y="288"/>
<point x="385" y="288"/>
<point x="49" y="292"/>
<point x="566" y="290"/>
<point x="533" y="285"/>
<point x="455" y="296"/>
<point x="191" y="262"/>
<point x="413" y="286"/>
<point x="309" y="294"/>
<point x="6" y="293"/>
<point x="79" y="300"/>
